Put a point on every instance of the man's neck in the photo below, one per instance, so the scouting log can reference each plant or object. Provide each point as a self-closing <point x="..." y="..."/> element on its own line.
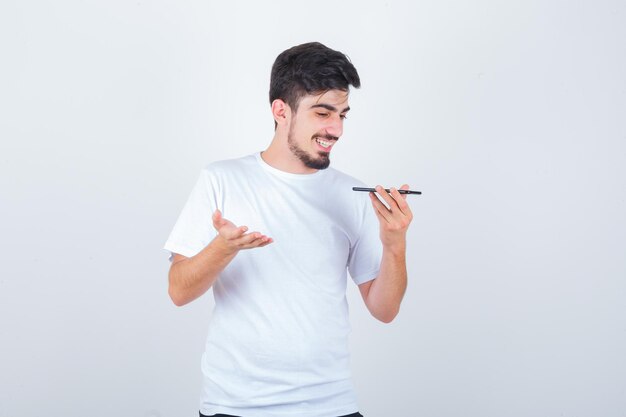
<point x="279" y="156"/>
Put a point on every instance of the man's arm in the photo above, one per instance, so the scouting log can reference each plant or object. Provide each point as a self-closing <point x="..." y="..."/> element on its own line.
<point x="189" y="278"/>
<point x="384" y="294"/>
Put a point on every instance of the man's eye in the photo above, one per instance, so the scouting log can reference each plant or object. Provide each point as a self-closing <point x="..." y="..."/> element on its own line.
<point x="344" y="116"/>
<point x="322" y="114"/>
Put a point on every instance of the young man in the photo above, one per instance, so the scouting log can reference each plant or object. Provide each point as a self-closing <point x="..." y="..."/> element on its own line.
<point x="274" y="234"/>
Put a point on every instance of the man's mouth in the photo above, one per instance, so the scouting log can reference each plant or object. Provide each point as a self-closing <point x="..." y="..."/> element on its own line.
<point x="325" y="144"/>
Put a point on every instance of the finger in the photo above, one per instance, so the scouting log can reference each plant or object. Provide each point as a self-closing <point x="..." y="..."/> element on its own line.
<point x="395" y="193"/>
<point x="248" y="239"/>
<point x="399" y="212"/>
<point x="257" y="242"/>
<point x="261" y="242"/>
<point x="232" y="234"/>
<point x="404" y="187"/>
<point x="382" y="212"/>
<point x="267" y="242"/>
<point x="400" y="201"/>
<point x="385" y="196"/>
<point x="218" y="220"/>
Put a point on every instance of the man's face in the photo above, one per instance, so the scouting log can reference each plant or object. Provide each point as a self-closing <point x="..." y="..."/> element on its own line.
<point x="316" y="127"/>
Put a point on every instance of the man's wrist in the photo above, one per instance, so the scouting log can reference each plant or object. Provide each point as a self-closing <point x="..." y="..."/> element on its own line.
<point x="222" y="246"/>
<point x="396" y="249"/>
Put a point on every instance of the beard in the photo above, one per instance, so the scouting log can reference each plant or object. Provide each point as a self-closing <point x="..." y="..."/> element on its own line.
<point x="319" y="161"/>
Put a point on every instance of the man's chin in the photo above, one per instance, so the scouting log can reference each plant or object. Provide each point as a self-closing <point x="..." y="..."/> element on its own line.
<point x="322" y="162"/>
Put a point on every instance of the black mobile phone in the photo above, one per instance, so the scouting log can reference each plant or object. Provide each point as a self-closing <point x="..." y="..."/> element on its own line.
<point x="373" y="190"/>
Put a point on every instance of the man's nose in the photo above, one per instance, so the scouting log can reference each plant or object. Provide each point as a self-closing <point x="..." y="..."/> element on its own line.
<point x="335" y="127"/>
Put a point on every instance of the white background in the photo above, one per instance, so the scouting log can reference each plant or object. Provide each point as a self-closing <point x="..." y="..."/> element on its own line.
<point x="509" y="116"/>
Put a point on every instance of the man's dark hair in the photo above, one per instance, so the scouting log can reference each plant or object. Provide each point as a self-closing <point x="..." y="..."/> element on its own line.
<point x="310" y="68"/>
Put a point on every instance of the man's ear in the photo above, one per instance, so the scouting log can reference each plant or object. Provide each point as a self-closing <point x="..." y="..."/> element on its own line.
<point x="281" y="112"/>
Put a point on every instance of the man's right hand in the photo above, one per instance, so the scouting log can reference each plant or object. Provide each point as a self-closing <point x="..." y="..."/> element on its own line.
<point x="235" y="237"/>
<point x="189" y="278"/>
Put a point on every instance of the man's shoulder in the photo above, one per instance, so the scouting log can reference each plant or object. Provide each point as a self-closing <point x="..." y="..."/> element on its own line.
<point x="229" y="166"/>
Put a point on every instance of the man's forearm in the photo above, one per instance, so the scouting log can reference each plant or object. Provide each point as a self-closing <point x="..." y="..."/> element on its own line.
<point x="387" y="290"/>
<point x="192" y="277"/>
<point x="384" y="295"/>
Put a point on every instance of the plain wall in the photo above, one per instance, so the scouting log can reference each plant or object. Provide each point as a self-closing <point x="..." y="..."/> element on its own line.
<point x="509" y="116"/>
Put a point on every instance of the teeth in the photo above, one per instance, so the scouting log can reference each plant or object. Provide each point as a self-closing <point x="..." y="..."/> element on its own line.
<point x="324" y="143"/>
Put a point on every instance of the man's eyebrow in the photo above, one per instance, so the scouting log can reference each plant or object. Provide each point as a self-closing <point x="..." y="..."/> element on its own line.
<point x="329" y="107"/>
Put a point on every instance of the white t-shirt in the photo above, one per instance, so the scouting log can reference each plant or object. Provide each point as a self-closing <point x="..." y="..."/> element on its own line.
<point x="277" y="343"/>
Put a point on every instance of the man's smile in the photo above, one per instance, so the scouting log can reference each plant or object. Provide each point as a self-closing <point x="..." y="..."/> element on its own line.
<point x="326" y="143"/>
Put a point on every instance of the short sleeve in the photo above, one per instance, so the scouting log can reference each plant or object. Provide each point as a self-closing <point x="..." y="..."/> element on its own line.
<point x="367" y="251"/>
<point x="194" y="228"/>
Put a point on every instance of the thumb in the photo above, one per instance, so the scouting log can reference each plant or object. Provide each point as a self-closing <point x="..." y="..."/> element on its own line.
<point x="218" y="220"/>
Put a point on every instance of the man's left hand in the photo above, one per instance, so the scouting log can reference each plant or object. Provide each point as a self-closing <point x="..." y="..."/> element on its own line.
<point x="394" y="217"/>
